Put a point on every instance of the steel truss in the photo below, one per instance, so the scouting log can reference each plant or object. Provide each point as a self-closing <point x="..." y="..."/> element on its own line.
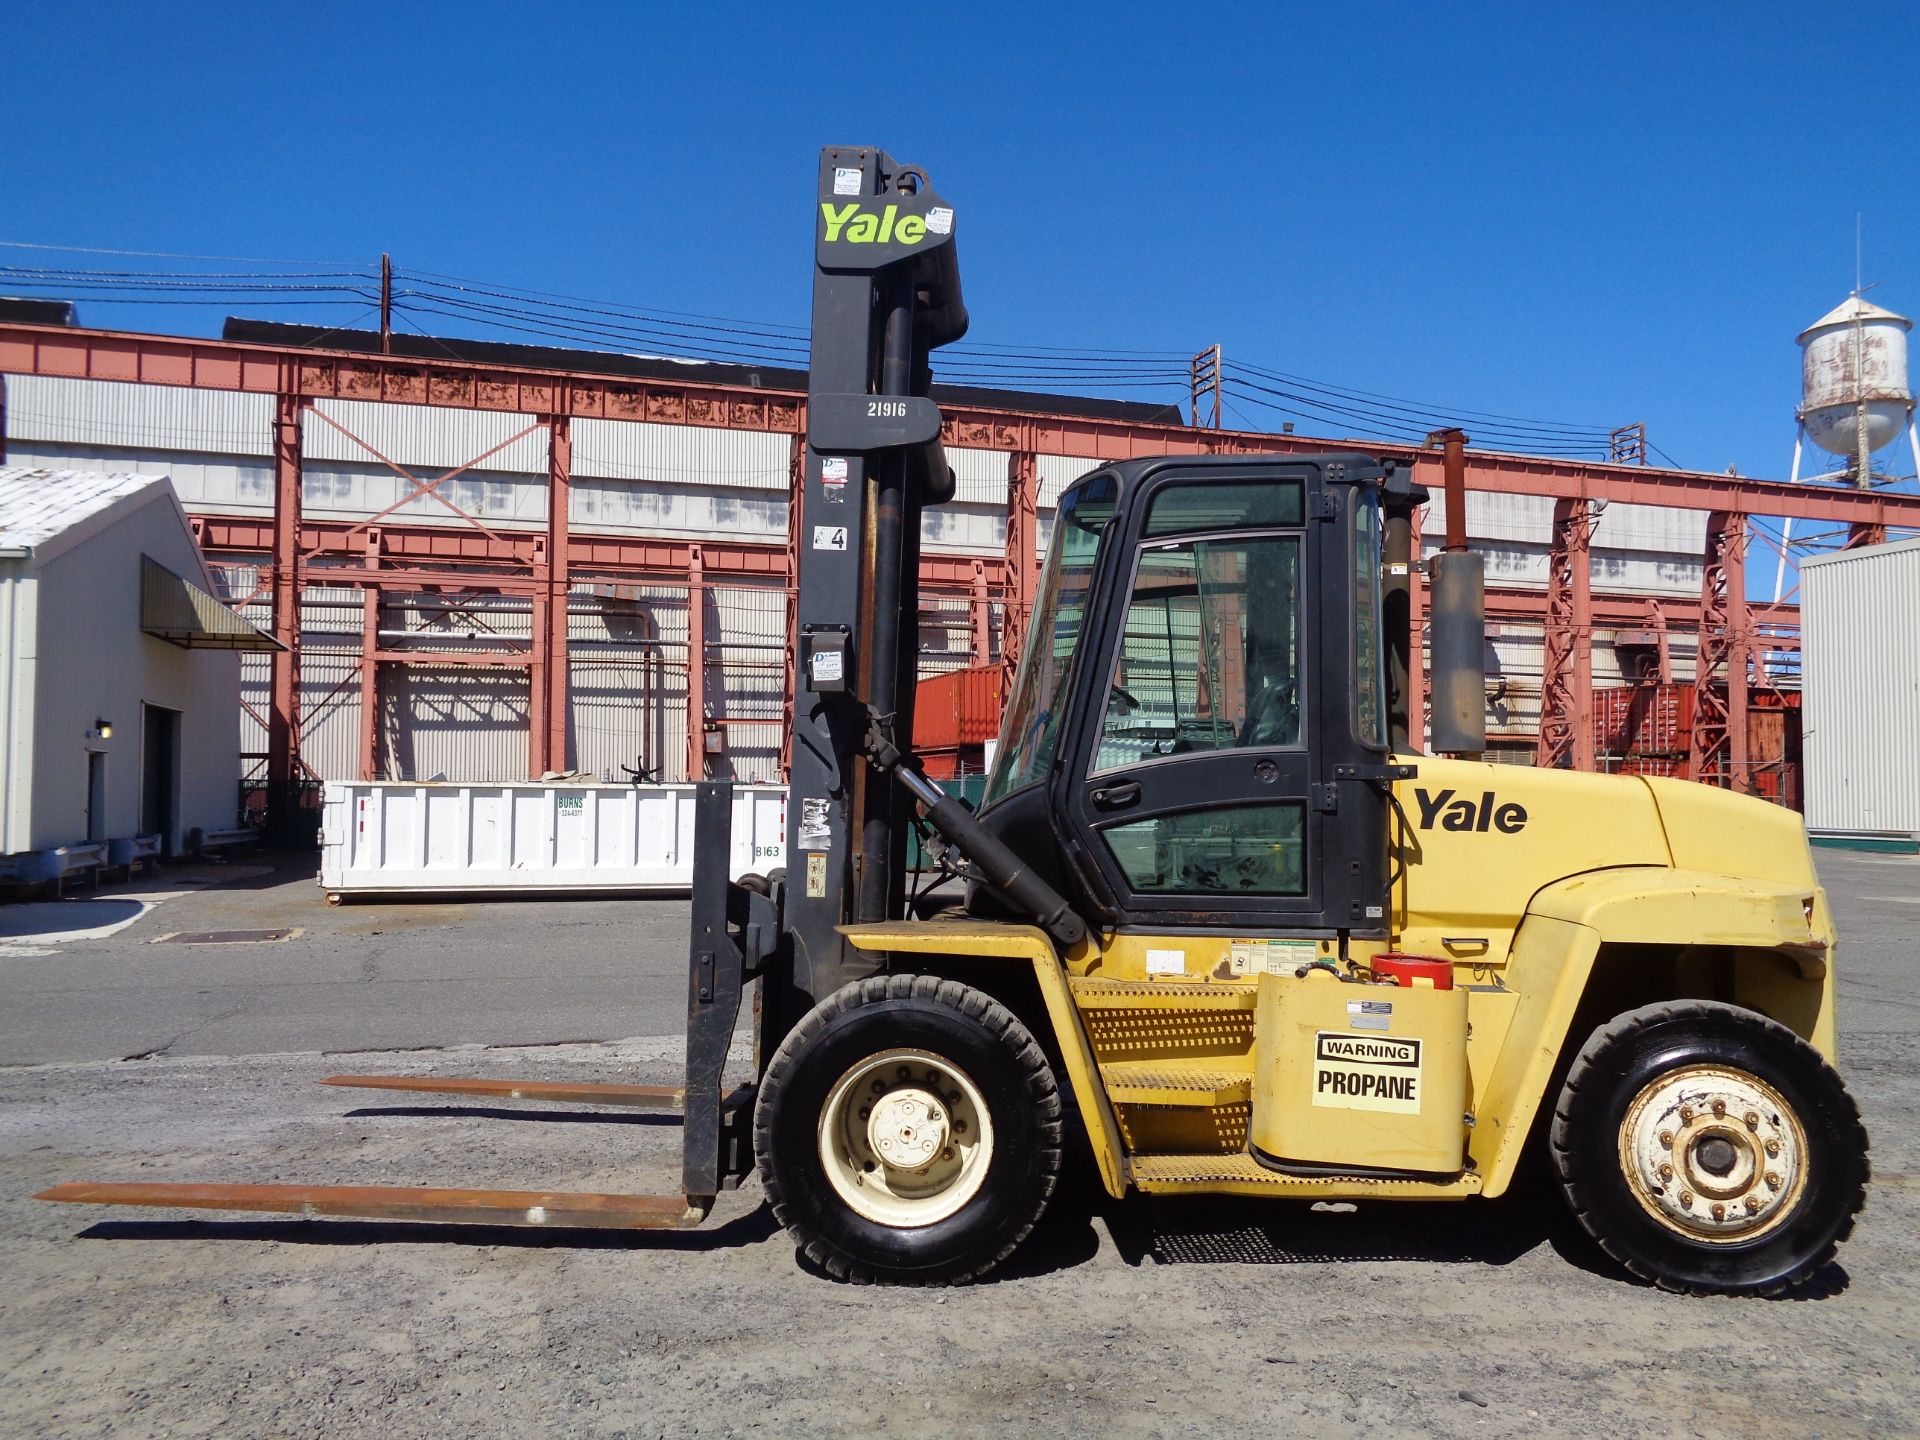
<point x="385" y="553"/>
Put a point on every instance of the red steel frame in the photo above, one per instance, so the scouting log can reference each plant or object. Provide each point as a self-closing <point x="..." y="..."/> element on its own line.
<point x="386" y="552"/>
<point x="1566" y="656"/>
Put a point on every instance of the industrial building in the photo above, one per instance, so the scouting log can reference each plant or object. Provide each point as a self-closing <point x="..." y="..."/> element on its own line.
<point x="489" y="562"/>
<point x="119" y="674"/>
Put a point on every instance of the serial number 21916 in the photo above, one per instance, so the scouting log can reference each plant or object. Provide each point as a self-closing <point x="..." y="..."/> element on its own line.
<point x="887" y="409"/>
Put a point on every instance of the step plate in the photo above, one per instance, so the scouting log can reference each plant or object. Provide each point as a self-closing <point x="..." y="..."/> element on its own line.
<point x="1244" y="1175"/>
<point x="542" y="1208"/>
<point x="1151" y="1083"/>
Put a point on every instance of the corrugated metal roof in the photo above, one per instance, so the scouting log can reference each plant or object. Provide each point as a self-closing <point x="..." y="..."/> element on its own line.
<point x="1851" y="309"/>
<point x="36" y="505"/>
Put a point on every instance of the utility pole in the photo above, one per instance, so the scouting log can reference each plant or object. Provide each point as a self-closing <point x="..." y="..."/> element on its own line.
<point x="386" y="304"/>
<point x="1203" y="377"/>
<point x="1628" y="445"/>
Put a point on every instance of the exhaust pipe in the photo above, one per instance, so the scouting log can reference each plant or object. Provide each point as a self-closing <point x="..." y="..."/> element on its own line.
<point x="1458" y="589"/>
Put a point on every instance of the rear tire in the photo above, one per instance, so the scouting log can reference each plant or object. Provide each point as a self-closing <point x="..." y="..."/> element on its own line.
<point x="908" y="1131"/>
<point x="1709" y="1149"/>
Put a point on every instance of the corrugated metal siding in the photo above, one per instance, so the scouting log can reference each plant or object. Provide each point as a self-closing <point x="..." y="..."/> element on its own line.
<point x="1056" y="473"/>
<point x="353" y="490"/>
<point x="427" y="436"/>
<point x="980" y="476"/>
<point x="148" y="418"/>
<point x="964" y="529"/>
<point x="746" y="677"/>
<point x="457" y="723"/>
<point x="1860" y="663"/>
<point x="627" y="646"/>
<point x="681" y="510"/>
<point x="680" y="454"/>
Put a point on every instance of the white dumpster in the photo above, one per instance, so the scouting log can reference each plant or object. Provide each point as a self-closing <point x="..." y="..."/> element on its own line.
<point x="388" y="837"/>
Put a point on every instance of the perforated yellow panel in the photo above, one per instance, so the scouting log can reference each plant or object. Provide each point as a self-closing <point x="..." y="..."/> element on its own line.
<point x="1164" y="1034"/>
<point x="1149" y="995"/>
<point x="1198" y="1131"/>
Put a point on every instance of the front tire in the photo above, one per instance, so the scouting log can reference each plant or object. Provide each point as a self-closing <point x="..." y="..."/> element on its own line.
<point x="1709" y="1149"/>
<point x="908" y="1130"/>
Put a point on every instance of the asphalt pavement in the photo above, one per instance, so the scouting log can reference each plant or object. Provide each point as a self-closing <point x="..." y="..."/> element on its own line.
<point x="390" y="976"/>
<point x="364" y="976"/>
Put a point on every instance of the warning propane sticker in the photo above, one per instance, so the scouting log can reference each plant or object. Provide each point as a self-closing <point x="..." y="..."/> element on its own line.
<point x="1366" y="1072"/>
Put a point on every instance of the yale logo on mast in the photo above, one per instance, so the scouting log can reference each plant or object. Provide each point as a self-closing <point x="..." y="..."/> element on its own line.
<point x="1366" y="1072"/>
<point x="853" y="224"/>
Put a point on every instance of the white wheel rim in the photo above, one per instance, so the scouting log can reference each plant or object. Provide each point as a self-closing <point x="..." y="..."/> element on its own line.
<point x="1713" y="1153"/>
<point x="905" y="1138"/>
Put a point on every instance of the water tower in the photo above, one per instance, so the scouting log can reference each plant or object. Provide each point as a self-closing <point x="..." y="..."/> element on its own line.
<point x="1854" y="398"/>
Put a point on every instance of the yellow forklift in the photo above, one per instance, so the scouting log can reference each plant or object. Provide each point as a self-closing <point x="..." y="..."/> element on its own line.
<point x="1217" y="923"/>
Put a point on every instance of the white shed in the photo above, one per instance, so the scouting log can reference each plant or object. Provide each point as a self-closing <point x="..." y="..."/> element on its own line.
<point x="119" y="671"/>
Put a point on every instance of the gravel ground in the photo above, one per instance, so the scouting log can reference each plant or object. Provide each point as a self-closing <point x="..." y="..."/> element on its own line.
<point x="1145" y="1318"/>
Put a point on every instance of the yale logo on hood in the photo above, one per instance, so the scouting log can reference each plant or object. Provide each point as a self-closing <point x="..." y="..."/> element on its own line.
<point x="1468" y="814"/>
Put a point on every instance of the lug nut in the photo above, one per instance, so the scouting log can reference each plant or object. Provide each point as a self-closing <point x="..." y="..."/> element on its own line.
<point x="866" y="1112"/>
<point x="1666" y="1138"/>
<point x="947" y="1154"/>
<point x="959" y="1127"/>
<point x="879" y="1087"/>
<point x="1719" y="1212"/>
<point x="1686" y="1114"/>
<point x="1719" y="1108"/>
<point x="1773" y="1179"/>
<point x="1686" y="1198"/>
<point x="1666" y="1172"/>
<point x="1753" y="1204"/>
<point x="903" y="1072"/>
<point x="1753" y="1120"/>
<point x="1773" y="1147"/>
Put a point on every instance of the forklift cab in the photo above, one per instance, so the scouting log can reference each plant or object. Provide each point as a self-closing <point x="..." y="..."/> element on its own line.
<point x="1202" y="700"/>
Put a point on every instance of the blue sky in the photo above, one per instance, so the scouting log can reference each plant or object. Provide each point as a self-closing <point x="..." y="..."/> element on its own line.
<point x="1596" y="214"/>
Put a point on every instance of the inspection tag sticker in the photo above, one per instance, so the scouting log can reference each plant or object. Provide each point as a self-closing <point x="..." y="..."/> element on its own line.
<point x="1366" y="1072"/>
<point x="1270" y="957"/>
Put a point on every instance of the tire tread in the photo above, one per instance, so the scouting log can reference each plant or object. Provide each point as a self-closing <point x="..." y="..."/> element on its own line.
<point x="1625" y="1030"/>
<point x="1026" y="1055"/>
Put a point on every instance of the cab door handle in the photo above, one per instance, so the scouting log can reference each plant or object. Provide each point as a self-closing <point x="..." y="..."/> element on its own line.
<point x="1115" y="797"/>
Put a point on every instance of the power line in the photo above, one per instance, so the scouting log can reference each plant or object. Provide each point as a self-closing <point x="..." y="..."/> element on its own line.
<point x="574" y="320"/>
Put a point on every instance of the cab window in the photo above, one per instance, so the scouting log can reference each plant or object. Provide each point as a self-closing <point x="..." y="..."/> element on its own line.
<point x="1210" y="656"/>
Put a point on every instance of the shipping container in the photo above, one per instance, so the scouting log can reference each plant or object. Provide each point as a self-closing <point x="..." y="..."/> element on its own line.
<point x="1643" y="720"/>
<point x="391" y="838"/>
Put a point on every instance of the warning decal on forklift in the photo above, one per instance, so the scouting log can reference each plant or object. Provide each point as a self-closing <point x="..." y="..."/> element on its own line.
<point x="816" y="877"/>
<point x="816" y="824"/>
<point x="1366" y="1072"/>
<point x="833" y="480"/>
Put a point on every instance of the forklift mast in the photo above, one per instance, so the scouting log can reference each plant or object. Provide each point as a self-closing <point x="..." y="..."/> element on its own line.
<point x="886" y="293"/>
